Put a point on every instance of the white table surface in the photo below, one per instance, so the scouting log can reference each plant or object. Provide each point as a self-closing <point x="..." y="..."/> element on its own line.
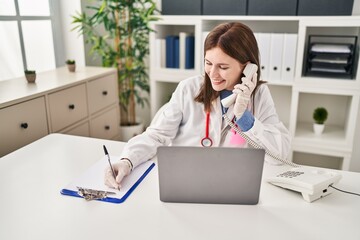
<point x="31" y="206"/>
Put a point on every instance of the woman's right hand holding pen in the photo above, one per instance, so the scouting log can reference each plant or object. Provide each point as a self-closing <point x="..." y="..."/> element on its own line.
<point x="121" y="169"/>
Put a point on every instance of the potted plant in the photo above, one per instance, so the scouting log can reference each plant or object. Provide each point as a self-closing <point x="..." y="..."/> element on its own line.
<point x="30" y="75"/>
<point x="320" y="115"/>
<point x="71" y="65"/>
<point x="124" y="45"/>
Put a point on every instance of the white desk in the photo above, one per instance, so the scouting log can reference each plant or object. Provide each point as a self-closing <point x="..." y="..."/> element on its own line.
<point x="31" y="206"/>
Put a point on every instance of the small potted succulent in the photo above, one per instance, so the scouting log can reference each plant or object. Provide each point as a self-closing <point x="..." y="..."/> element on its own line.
<point x="30" y="75"/>
<point x="71" y="65"/>
<point x="320" y="115"/>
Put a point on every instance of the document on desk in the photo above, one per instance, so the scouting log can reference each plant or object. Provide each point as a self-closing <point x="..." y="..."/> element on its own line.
<point x="93" y="179"/>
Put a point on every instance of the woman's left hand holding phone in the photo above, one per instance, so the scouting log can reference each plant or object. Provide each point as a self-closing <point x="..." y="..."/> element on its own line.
<point x="243" y="92"/>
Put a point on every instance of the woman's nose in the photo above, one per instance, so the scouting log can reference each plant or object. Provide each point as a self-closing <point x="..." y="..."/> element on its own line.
<point x="213" y="72"/>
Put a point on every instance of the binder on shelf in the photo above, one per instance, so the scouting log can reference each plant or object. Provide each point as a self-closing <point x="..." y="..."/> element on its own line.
<point x="276" y="55"/>
<point x="289" y="57"/>
<point x="189" y="52"/>
<point x="160" y="56"/>
<point x="92" y="182"/>
<point x="176" y="52"/>
<point x="203" y="38"/>
<point x="331" y="56"/>
<point x="170" y="50"/>
<point x="182" y="44"/>
<point x="263" y="40"/>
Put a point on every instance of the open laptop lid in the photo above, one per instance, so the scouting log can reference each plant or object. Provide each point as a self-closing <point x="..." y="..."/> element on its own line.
<point x="210" y="175"/>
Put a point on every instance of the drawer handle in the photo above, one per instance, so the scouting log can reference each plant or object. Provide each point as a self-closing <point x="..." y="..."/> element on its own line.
<point x="71" y="106"/>
<point x="104" y="93"/>
<point x="107" y="127"/>
<point x="24" y="125"/>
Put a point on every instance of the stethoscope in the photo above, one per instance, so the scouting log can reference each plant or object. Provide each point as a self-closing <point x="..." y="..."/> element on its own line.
<point x="206" y="141"/>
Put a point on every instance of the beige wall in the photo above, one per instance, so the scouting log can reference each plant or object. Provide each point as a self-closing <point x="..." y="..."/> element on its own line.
<point x="73" y="43"/>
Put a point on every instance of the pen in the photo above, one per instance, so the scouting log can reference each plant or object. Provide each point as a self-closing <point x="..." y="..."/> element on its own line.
<point x="108" y="157"/>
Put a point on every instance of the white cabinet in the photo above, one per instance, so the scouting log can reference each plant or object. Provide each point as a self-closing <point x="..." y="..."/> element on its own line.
<point x="83" y="103"/>
<point x="67" y="107"/>
<point x="102" y="93"/>
<point x="295" y="95"/>
<point x="22" y="123"/>
<point x="105" y="125"/>
<point x="81" y="130"/>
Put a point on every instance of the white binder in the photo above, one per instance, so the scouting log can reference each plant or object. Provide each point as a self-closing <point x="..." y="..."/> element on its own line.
<point x="160" y="56"/>
<point x="276" y="55"/>
<point x="289" y="57"/>
<point x="203" y="37"/>
<point x="182" y="46"/>
<point x="263" y="40"/>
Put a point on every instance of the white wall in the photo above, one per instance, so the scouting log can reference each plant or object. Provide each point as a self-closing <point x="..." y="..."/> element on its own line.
<point x="73" y="42"/>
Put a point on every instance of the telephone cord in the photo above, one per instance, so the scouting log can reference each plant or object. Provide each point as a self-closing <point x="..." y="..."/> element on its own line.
<point x="255" y="145"/>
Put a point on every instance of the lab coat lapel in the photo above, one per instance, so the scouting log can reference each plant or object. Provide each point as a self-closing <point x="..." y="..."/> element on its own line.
<point x="230" y="113"/>
<point x="225" y="126"/>
<point x="218" y="124"/>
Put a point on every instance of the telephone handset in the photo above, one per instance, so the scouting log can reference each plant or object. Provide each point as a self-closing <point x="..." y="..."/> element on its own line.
<point x="248" y="71"/>
<point x="313" y="183"/>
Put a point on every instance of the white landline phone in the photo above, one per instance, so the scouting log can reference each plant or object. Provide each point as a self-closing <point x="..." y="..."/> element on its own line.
<point x="313" y="183"/>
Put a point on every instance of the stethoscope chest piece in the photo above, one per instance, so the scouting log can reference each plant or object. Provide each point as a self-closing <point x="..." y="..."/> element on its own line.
<point x="206" y="142"/>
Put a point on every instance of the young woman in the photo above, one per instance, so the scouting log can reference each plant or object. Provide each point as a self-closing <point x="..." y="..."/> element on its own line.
<point x="194" y="114"/>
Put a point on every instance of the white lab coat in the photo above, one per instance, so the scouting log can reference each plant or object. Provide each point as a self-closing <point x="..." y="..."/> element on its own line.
<point x="182" y="121"/>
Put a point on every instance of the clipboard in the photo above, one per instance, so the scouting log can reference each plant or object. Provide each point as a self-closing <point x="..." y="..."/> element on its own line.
<point x="93" y="179"/>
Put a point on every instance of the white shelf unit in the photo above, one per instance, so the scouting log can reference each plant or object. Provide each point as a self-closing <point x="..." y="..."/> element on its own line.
<point x="340" y="97"/>
<point x="296" y="99"/>
<point x="164" y="80"/>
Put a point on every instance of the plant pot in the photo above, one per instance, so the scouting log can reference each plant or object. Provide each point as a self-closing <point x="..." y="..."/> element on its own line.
<point x="71" y="67"/>
<point x="318" y="128"/>
<point x="127" y="132"/>
<point x="30" y="77"/>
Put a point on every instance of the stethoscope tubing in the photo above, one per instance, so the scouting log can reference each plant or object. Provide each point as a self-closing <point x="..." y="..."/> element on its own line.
<point x="206" y="141"/>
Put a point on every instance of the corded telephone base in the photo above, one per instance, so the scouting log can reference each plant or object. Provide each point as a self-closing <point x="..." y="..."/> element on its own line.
<point x="317" y="195"/>
<point x="313" y="183"/>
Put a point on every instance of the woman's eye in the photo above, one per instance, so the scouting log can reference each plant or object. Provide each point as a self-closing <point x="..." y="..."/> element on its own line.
<point x="223" y="68"/>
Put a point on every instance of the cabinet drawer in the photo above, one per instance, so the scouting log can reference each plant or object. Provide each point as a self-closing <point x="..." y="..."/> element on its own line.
<point x="102" y="92"/>
<point x="106" y="126"/>
<point x="81" y="130"/>
<point x="21" y="124"/>
<point x="67" y="107"/>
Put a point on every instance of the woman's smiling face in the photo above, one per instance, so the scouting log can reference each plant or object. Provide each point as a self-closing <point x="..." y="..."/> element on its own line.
<point x="223" y="70"/>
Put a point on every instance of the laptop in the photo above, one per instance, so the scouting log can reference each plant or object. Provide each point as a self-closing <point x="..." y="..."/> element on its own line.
<point x="216" y="175"/>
